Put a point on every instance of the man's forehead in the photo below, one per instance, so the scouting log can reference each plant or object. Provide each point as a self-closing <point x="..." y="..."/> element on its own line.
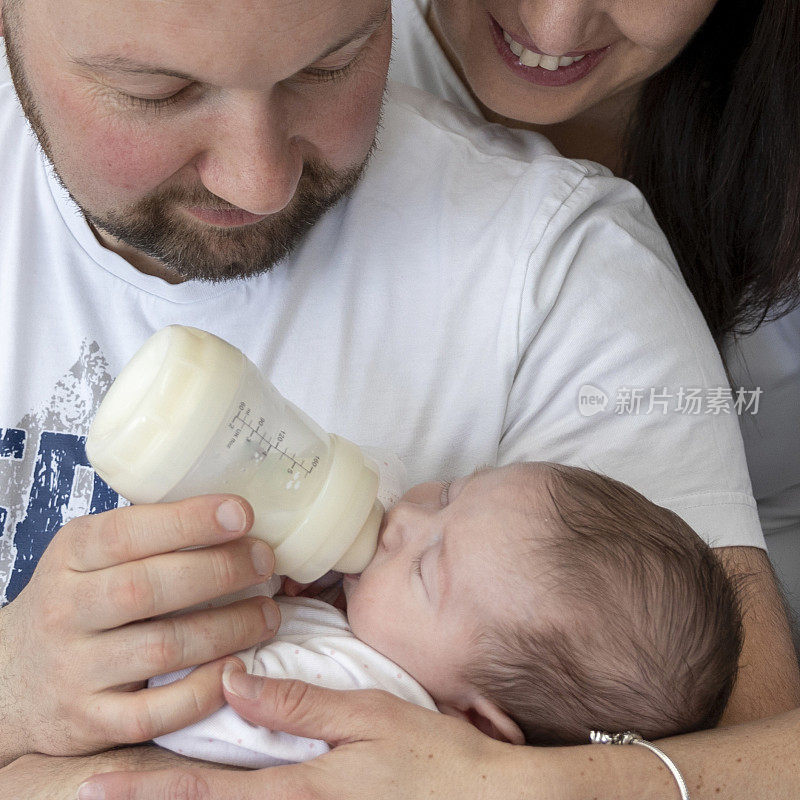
<point x="227" y="40"/>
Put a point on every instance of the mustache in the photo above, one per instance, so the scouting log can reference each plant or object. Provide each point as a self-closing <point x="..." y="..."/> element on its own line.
<point x="195" y="196"/>
<point x="315" y="173"/>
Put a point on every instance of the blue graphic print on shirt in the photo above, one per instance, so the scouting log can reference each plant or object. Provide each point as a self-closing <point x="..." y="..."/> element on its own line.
<point x="45" y="477"/>
<point x="59" y="455"/>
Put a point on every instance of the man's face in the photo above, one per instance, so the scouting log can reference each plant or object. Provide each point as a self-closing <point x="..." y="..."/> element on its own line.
<point x="199" y="136"/>
<point x="451" y="561"/>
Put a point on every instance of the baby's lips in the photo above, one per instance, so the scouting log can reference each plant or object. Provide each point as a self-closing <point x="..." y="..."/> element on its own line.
<point x="291" y="588"/>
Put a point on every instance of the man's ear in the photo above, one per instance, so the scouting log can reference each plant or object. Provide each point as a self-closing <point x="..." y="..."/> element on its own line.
<point x="487" y="718"/>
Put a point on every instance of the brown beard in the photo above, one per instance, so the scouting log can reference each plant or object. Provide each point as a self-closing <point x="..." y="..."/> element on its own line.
<point x="154" y="227"/>
<point x="197" y="251"/>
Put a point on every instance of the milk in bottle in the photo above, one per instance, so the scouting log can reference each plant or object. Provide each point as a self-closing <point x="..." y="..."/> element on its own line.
<point x="190" y="414"/>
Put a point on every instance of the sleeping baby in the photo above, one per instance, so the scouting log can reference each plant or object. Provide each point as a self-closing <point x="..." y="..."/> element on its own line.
<point x="537" y="601"/>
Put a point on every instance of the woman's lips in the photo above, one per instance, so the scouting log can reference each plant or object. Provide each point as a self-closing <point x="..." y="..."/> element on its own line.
<point x="540" y="76"/>
<point x="232" y="218"/>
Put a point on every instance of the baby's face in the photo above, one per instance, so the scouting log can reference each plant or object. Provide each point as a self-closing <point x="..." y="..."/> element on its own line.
<point x="444" y="568"/>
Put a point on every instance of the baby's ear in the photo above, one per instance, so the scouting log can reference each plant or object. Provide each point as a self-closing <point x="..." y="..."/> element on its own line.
<point x="487" y="718"/>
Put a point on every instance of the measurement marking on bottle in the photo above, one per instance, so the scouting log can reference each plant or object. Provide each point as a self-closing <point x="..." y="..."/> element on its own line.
<point x="240" y="423"/>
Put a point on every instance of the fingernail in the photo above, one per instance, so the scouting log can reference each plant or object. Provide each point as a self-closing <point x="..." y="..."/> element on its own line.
<point x="237" y="682"/>
<point x="272" y="616"/>
<point x="231" y="516"/>
<point x="91" y="791"/>
<point x="263" y="560"/>
<point x="230" y="666"/>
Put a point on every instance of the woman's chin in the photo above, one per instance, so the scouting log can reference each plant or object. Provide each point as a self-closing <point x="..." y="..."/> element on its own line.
<point x="528" y="108"/>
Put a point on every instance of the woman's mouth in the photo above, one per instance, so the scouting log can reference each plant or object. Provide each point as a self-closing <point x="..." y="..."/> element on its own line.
<point x="540" y="68"/>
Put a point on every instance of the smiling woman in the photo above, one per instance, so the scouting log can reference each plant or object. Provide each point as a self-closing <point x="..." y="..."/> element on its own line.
<point x="696" y="103"/>
<point x="669" y="95"/>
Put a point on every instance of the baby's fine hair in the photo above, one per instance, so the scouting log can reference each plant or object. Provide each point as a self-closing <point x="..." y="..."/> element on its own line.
<point x="647" y="634"/>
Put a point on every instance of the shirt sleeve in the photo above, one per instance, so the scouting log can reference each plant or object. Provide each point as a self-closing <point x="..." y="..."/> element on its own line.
<point x="617" y="371"/>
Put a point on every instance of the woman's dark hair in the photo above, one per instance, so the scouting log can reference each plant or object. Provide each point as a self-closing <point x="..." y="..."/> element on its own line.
<point x="714" y="145"/>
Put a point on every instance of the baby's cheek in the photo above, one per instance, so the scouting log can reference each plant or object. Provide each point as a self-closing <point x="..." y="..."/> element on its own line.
<point x="362" y="613"/>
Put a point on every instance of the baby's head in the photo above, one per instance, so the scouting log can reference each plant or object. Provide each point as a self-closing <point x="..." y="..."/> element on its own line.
<point x="541" y="601"/>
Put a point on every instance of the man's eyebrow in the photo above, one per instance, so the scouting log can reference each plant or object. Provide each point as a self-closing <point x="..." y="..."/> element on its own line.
<point x="113" y="63"/>
<point x="367" y="29"/>
<point x="128" y="66"/>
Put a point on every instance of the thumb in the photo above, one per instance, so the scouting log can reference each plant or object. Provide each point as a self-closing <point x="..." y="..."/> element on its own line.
<point x="303" y="709"/>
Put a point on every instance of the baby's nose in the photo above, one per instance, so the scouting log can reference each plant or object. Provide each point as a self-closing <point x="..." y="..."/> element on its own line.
<point x="402" y="523"/>
<point x="390" y="533"/>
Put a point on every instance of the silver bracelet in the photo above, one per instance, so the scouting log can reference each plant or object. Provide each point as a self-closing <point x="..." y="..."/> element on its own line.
<point x="631" y="737"/>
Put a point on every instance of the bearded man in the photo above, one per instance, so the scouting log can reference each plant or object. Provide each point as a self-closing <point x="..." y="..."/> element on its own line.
<point x="446" y="293"/>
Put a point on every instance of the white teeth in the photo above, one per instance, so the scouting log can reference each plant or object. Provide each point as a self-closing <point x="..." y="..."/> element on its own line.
<point x="530" y="59"/>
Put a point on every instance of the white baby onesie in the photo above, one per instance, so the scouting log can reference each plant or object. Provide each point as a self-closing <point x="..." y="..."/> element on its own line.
<point x="314" y="644"/>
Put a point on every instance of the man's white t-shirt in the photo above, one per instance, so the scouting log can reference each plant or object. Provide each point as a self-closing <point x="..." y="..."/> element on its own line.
<point x="768" y="360"/>
<point x="418" y="59"/>
<point x="453" y="310"/>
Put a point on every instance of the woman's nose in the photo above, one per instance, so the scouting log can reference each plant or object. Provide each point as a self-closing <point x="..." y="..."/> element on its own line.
<point x="559" y="26"/>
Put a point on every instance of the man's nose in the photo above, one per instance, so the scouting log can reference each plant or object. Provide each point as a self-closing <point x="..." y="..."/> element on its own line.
<point x="252" y="161"/>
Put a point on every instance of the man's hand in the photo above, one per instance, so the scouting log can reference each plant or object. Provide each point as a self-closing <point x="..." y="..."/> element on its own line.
<point x="38" y="777"/>
<point x="383" y="748"/>
<point x="84" y="635"/>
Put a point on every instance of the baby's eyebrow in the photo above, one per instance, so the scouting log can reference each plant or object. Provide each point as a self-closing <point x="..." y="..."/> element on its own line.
<point x="479" y="471"/>
<point x="442" y="573"/>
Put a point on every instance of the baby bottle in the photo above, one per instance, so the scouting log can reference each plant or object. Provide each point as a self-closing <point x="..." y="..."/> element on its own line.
<point x="190" y="414"/>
